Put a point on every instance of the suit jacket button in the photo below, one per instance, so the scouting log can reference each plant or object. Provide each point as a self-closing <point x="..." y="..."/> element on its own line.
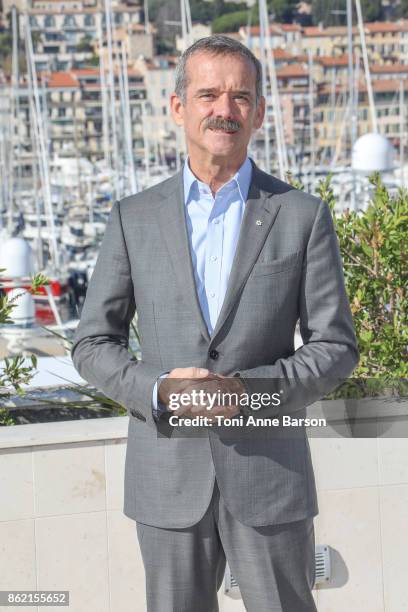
<point x="214" y="354"/>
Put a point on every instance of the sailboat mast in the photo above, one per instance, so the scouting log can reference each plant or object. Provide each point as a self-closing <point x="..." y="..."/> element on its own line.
<point x="146" y="16"/>
<point x="104" y="98"/>
<point x="277" y="113"/>
<point x="38" y="127"/>
<point x="351" y="94"/>
<point x="266" y="123"/>
<point x="402" y="130"/>
<point x="108" y="13"/>
<point x="128" y="122"/>
<point x="311" y="121"/>
<point x="370" y="94"/>
<point x="14" y="112"/>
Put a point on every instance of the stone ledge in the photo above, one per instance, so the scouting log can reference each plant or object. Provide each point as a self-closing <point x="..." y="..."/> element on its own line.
<point x="63" y="431"/>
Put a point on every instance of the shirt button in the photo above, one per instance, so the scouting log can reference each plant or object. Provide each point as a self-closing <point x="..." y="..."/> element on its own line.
<point x="212" y="294"/>
<point x="214" y="354"/>
<point x="216" y="221"/>
<point x="213" y="258"/>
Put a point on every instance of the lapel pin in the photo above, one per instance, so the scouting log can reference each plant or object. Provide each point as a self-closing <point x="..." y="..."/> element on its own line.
<point x="258" y="222"/>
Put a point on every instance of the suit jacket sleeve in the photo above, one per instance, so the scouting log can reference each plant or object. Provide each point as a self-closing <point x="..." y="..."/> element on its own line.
<point x="329" y="353"/>
<point x="100" y="349"/>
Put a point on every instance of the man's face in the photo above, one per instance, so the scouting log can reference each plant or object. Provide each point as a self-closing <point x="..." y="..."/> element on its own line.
<point x="220" y="111"/>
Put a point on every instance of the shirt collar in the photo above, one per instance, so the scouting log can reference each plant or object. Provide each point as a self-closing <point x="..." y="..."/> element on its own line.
<point x="242" y="180"/>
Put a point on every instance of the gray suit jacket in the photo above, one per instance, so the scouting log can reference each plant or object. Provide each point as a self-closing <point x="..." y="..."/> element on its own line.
<point x="286" y="268"/>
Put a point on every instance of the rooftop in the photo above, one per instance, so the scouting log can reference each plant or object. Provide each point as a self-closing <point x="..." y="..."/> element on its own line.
<point x="61" y="79"/>
<point x="292" y="71"/>
<point x="389" y="68"/>
<point x="328" y="60"/>
<point x="379" y="86"/>
<point x="256" y="30"/>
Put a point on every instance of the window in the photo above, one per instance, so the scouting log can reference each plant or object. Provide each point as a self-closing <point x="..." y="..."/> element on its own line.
<point x="70" y="37"/>
<point x="69" y="21"/>
<point x="89" y="20"/>
<point x="49" y="21"/>
<point x="52" y="36"/>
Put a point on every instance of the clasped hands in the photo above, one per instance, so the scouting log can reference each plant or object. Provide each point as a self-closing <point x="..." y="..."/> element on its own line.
<point x="192" y="381"/>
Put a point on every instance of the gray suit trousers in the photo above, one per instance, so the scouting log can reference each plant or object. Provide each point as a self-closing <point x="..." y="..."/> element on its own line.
<point x="274" y="565"/>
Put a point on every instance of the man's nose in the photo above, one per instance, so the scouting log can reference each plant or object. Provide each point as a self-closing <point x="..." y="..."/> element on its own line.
<point x="224" y="106"/>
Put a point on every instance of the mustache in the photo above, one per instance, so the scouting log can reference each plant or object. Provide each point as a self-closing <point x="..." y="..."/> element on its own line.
<point x="218" y="123"/>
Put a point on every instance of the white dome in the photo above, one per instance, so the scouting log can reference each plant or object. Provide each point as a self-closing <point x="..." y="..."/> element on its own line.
<point x="16" y="256"/>
<point x="373" y="152"/>
<point x="24" y="311"/>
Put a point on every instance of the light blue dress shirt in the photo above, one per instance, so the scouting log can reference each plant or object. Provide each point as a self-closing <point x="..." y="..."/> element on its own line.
<point x="213" y="225"/>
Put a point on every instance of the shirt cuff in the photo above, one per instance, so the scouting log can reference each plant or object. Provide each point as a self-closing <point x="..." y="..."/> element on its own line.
<point x="158" y="408"/>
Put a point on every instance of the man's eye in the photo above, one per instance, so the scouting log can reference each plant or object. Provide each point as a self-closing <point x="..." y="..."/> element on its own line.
<point x="241" y="98"/>
<point x="208" y="96"/>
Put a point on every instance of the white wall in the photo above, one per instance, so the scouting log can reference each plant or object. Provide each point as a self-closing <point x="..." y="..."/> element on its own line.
<point x="62" y="526"/>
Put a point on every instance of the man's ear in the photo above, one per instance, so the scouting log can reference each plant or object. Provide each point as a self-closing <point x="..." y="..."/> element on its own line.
<point x="177" y="109"/>
<point x="259" y="113"/>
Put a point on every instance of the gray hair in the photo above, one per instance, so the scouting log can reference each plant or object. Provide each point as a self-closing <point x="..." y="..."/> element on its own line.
<point x="217" y="44"/>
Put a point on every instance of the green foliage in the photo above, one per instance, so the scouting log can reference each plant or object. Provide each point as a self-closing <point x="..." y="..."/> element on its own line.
<point x="7" y="304"/>
<point x="14" y="373"/>
<point x="372" y="245"/>
<point x="202" y="12"/>
<point x="294" y="182"/>
<point x="223" y="8"/>
<point x="325" y="12"/>
<point x="161" y="12"/>
<point x="403" y="9"/>
<point x="85" y="45"/>
<point x="283" y="10"/>
<point x="93" y="61"/>
<point x="372" y="10"/>
<point x="36" y="38"/>
<point x="38" y="281"/>
<point x="360" y="388"/>
<point x="230" y="22"/>
<point x="6" y="49"/>
<point x="5" y="44"/>
<point x="164" y="47"/>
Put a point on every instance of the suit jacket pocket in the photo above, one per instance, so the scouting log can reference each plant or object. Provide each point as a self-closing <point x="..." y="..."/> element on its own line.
<point x="277" y="265"/>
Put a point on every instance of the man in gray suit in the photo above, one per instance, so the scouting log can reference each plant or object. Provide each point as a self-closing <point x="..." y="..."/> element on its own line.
<point x="219" y="262"/>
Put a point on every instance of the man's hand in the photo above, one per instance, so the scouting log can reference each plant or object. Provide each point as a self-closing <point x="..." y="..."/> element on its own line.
<point x="179" y="379"/>
<point x="209" y="385"/>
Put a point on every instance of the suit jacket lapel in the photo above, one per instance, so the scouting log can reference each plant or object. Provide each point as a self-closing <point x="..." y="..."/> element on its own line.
<point x="172" y="221"/>
<point x="261" y="209"/>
